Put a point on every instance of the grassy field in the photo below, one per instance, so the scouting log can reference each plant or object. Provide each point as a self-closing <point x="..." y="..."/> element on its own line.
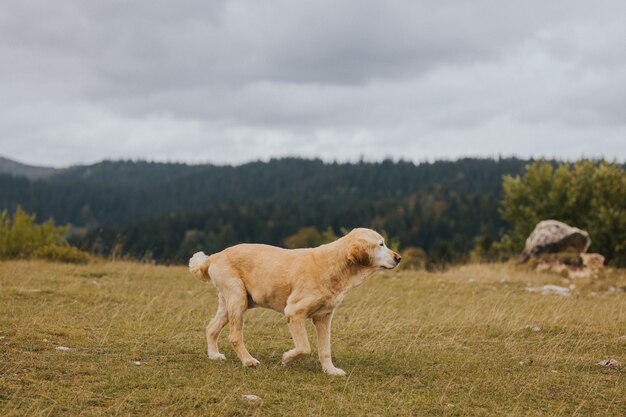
<point x="449" y="343"/>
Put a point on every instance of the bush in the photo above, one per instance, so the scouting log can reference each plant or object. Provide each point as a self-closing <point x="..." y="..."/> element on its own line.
<point x="413" y="258"/>
<point x="61" y="254"/>
<point x="590" y="195"/>
<point x="309" y="237"/>
<point x="21" y="237"/>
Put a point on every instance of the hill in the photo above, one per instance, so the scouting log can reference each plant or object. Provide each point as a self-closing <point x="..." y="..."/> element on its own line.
<point x="162" y="211"/>
<point x="18" y="169"/>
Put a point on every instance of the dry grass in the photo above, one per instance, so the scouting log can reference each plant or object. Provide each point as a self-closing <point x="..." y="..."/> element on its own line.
<point x="448" y="343"/>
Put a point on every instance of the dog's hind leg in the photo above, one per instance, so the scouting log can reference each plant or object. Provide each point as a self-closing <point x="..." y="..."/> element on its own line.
<point x="236" y="304"/>
<point x="214" y="329"/>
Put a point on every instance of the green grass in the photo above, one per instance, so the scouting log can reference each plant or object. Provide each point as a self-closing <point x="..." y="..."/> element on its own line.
<point x="450" y="343"/>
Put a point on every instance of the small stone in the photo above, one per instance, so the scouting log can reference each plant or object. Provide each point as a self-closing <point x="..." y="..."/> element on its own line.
<point x="138" y="363"/>
<point x="609" y="363"/>
<point x="550" y="289"/>
<point x="622" y="338"/>
<point x="2" y="337"/>
<point x="532" y="327"/>
<point x="252" y="397"/>
<point x="64" y="348"/>
<point x="593" y="261"/>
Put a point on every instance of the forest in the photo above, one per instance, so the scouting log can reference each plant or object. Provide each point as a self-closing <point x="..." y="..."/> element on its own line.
<point x="164" y="212"/>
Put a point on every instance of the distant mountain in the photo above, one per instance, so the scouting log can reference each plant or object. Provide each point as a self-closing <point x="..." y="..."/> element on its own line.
<point x="124" y="192"/>
<point x="18" y="169"/>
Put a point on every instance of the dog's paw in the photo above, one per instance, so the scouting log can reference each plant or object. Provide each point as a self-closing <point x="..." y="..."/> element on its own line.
<point x="335" y="371"/>
<point x="289" y="356"/>
<point x="293" y="354"/>
<point x="250" y="363"/>
<point x="216" y="356"/>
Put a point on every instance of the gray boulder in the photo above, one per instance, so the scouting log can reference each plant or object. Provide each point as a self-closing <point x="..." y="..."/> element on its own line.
<point x="552" y="236"/>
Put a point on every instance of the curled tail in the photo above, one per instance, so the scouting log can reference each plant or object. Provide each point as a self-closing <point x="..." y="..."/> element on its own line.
<point x="199" y="266"/>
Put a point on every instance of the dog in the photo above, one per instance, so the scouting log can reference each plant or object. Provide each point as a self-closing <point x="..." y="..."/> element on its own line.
<point x="301" y="283"/>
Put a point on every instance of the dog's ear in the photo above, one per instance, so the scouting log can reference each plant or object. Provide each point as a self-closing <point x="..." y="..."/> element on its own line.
<point x="359" y="253"/>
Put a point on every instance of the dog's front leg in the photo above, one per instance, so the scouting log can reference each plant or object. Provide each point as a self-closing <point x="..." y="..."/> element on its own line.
<point x="322" y="328"/>
<point x="296" y="319"/>
<point x="297" y="327"/>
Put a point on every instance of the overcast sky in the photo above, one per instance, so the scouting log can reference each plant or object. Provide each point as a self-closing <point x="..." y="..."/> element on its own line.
<point x="233" y="81"/>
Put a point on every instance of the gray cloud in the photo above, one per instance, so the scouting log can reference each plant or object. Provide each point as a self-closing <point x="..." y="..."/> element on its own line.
<point x="231" y="81"/>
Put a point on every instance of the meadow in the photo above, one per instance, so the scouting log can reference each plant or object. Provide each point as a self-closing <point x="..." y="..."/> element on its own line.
<point x="470" y="340"/>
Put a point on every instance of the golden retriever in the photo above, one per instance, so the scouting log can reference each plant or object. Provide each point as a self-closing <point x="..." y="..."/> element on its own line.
<point x="301" y="283"/>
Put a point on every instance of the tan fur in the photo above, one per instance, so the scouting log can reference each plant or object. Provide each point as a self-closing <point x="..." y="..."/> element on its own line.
<point x="301" y="283"/>
<point x="199" y="266"/>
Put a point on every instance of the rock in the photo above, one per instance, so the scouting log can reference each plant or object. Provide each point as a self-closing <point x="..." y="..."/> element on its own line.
<point x="555" y="289"/>
<point x="622" y="338"/>
<point x="559" y="248"/>
<point x="552" y="236"/>
<point x="609" y="363"/>
<point x="532" y="327"/>
<point x="550" y="289"/>
<point x="252" y="397"/>
<point x="63" y="348"/>
<point x="592" y="261"/>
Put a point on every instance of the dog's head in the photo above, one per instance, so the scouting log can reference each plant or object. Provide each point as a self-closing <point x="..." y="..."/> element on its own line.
<point x="367" y="248"/>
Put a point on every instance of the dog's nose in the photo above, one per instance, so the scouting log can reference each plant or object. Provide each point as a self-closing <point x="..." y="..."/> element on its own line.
<point x="397" y="258"/>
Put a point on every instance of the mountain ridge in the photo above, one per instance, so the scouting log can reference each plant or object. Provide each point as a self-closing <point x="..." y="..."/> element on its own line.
<point x="19" y="169"/>
<point x="118" y="192"/>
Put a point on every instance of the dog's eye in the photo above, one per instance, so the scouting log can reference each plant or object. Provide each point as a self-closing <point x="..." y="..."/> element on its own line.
<point x="382" y="244"/>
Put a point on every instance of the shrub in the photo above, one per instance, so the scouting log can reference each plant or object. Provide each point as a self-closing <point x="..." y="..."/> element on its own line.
<point x="61" y="254"/>
<point x="413" y="258"/>
<point x="21" y="237"/>
<point x="309" y="237"/>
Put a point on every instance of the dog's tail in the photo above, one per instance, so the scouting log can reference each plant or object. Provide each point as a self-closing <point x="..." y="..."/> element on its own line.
<point x="199" y="266"/>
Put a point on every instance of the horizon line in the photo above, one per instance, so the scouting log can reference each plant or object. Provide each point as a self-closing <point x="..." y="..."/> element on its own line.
<point x="341" y="161"/>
